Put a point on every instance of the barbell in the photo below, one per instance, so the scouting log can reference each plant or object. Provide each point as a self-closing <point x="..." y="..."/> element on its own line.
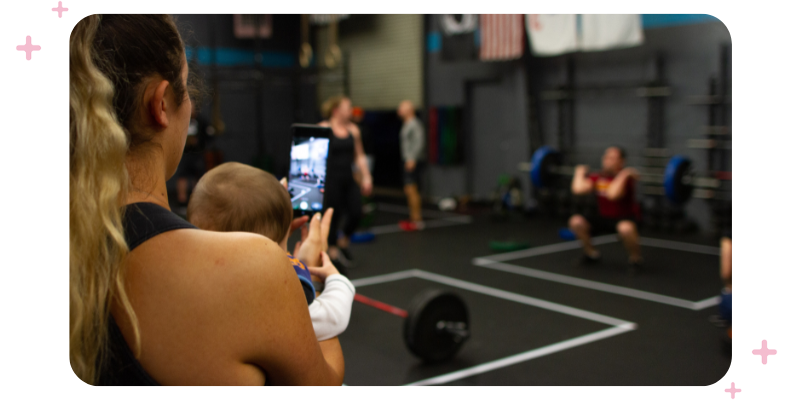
<point x="679" y="179"/>
<point x="436" y="323"/>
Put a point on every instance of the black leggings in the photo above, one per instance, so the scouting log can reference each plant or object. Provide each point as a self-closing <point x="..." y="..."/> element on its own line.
<point x="344" y="195"/>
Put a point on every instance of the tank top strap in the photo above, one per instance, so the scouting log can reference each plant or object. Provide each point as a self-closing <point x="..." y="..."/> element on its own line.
<point x="143" y="221"/>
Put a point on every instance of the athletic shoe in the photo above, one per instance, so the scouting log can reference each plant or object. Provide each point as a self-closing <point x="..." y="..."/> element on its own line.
<point x="343" y="259"/>
<point x="635" y="267"/>
<point x="410" y="226"/>
<point x="340" y="267"/>
<point x="349" y="261"/>
<point x="407" y="226"/>
<point x="586" y="259"/>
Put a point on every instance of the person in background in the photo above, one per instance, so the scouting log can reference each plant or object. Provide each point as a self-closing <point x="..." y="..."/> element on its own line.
<point x="412" y="147"/>
<point x="726" y="268"/>
<point x="366" y="141"/>
<point x="616" y="202"/>
<point x="342" y="192"/>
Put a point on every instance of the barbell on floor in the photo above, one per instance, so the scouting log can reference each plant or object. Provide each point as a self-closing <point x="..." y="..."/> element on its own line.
<point x="679" y="179"/>
<point x="436" y="323"/>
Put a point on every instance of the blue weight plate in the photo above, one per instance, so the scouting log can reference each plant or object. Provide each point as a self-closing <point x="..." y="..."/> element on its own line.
<point x="543" y="158"/>
<point x="674" y="188"/>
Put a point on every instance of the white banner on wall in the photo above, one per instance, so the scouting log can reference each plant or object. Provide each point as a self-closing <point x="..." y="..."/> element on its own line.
<point x="610" y="31"/>
<point x="325" y="19"/>
<point x="552" y="34"/>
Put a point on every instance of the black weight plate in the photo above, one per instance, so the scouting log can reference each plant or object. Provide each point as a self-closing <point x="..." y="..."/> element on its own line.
<point x="420" y="331"/>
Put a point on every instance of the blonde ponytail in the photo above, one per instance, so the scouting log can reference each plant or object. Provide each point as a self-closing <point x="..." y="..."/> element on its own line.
<point x="98" y="185"/>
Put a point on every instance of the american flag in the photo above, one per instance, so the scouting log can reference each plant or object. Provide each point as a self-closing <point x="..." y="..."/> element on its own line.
<point x="502" y="36"/>
<point x="244" y="25"/>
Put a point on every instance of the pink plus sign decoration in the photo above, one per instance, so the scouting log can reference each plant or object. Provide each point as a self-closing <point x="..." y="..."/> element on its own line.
<point x="60" y="9"/>
<point x="28" y="47"/>
<point x="733" y="390"/>
<point x="764" y="352"/>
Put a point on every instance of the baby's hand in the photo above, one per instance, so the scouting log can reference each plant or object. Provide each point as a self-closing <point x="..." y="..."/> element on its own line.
<point x="327" y="269"/>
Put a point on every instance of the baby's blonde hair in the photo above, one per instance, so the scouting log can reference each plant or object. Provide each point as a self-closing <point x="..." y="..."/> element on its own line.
<point x="234" y="197"/>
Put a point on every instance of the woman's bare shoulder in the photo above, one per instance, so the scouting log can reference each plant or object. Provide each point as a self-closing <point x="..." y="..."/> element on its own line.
<point x="186" y="284"/>
<point x="237" y="251"/>
<point x="202" y="261"/>
<point x="353" y="128"/>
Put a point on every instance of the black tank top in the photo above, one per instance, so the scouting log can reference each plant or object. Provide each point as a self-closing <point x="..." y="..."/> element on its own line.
<point x="142" y="221"/>
<point x="341" y="153"/>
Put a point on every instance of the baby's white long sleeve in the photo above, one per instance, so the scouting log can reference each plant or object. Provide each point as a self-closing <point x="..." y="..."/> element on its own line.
<point x="330" y="311"/>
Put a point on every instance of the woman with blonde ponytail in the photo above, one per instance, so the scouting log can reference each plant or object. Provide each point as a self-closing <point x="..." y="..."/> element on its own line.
<point x="153" y="300"/>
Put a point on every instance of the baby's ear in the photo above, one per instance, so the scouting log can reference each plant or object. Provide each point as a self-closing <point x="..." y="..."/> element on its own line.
<point x="284" y="183"/>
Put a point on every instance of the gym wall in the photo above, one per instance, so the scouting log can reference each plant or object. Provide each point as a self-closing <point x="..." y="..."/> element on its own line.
<point x="691" y="52"/>
<point x="492" y="95"/>
<point x="384" y="60"/>
<point x="256" y="107"/>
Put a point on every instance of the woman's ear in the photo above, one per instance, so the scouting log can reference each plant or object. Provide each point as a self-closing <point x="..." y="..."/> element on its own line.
<point x="158" y="104"/>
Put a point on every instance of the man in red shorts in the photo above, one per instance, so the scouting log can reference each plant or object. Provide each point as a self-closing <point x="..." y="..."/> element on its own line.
<point x="616" y="203"/>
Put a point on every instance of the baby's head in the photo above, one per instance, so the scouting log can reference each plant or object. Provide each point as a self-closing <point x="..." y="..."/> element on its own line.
<point x="234" y="197"/>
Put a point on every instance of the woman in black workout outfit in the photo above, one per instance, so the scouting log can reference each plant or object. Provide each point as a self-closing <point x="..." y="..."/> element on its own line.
<point x="342" y="191"/>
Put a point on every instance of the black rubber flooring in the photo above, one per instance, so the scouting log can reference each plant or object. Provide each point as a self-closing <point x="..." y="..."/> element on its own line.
<point x="671" y="345"/>
<point x="673" y="273"/>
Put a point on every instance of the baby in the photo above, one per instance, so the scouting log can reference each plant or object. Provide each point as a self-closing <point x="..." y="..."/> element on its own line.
<point x="234" y="197"/>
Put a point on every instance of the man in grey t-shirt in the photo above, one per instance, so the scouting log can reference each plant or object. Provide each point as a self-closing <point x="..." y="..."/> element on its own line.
<point x="412" y="146"/>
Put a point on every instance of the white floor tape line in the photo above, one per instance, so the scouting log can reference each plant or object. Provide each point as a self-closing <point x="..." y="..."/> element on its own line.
<point x="495" y="262"/>
<point x="397" y="209"/>
<point x="710" y="302"/>
<point x="518" y="298"/>
<point x="619" y="326"/>
<point x="489" y="291"/>
<point x="673" y="245"/>
<point x="546" y="249"/>
<point x="603" y="287"/>
<point x="605" y="239"/>
<point x="526" y="356"/>
<point x="374" y="280"/>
